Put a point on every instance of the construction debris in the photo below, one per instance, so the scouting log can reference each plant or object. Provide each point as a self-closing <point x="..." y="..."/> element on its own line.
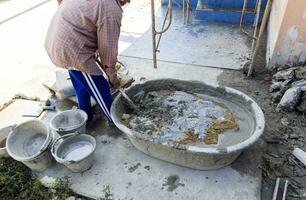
<point x="302" y="106"/>
<point x="289" y="89"/>
<point x="300" y="155"/>
<point x="290" y="99"/>
<point x="283" y="75"/>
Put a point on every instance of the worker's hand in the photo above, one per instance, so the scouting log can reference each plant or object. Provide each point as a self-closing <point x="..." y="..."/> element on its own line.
<point x="112" y="76"/>
<point x="123" y="2"/>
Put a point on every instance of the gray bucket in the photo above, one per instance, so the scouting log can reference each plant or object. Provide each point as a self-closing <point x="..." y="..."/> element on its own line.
<point x="75" y="151"/>
<point x="3" y="135"/>
<point x="69" y="121"/>
<point x="29" y="143"/>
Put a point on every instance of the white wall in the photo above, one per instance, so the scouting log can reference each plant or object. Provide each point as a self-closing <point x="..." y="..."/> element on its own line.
<point x="286" y="42"/>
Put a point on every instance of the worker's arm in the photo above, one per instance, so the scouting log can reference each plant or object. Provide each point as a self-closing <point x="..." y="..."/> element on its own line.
<point x="108" y="35"/>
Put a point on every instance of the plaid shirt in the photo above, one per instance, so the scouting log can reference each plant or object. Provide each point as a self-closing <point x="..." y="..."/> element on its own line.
<point x="79" y="29"/>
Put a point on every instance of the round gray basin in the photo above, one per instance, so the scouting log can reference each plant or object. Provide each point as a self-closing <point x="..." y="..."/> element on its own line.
<point x="250" y="119"/>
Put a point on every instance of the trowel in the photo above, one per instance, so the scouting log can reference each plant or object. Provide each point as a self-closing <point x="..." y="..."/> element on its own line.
<point x="36" y="109"/>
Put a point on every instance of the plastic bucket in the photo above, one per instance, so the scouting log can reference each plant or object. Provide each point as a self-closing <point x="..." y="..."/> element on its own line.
<point x="75" y="151"/>
<point x="29" y="143"/>
<point x="69" y="121"/>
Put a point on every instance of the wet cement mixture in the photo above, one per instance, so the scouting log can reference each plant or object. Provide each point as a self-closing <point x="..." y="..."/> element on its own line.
<point x="172" y="182"/>
<point x="177" y="116"/>
<point x="283" y="132"/>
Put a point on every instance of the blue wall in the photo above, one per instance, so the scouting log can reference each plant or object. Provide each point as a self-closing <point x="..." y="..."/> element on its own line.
<point x="231" y="3"/>
<point x="193" y="3"/>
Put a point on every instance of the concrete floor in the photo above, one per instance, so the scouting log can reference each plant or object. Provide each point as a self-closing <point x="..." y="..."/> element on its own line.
<point x="24" y="63"/>
<point x="198" y="42"/>
<point x="130" y="174"/>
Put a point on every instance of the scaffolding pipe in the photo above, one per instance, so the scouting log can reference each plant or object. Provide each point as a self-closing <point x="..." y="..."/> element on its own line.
<point x="163" y="30"/>
<point x="256" y="25"/>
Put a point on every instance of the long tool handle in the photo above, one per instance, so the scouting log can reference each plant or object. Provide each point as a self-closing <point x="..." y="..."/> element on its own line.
<point x="131" y="103"/>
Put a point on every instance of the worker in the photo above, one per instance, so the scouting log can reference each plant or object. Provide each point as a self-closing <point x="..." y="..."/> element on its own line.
<point x="79" y="30"/>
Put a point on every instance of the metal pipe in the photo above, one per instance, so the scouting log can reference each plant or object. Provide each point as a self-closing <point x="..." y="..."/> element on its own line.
<point x="170" y="19"/>
<point x="164" y="23"/>
<point x="163" y="30"/>
<point x="153" y="33"/>
<point x="261" y="33"/>
<point x="241" y="19"/>
<point x="242" y="13"/>
<point x="183" y="1"/>
<point x="256" y="24"/>
<point x="188" y="11"/>
<point x="256" y="4"/>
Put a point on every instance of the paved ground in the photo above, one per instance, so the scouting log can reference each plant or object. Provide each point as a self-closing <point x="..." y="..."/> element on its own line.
<point x="130" y="174"/>
<point x="24" y="63"/>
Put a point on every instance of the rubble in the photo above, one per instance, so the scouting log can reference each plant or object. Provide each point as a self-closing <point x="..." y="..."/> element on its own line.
<point x="300" y="155"/>
<point x="285" y="122"/>
<point x="279" y="85"/>
<point x="277" y="96"/>
<point x="302" y="106"/>
<point x="300" y="83"/>
<point x="288" y="87"/>
<point x="290" y="99"/>
<point x="282" y="75"/>
<point x="300" y="73"/>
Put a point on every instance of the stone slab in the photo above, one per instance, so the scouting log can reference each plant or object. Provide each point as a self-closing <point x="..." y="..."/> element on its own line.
<point x="13" y="114"/>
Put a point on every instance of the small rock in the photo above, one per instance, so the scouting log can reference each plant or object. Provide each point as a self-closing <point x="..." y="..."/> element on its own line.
<point x="285" y="122"/>
<point x="277" y="96"/>
<point x="300" y="83"/>
<point x="282" y="75"/>
<point x="302" y="106"/>
<point x="71" y="198"/>
<point x="290" y="99"/>
<point x="293" y="136"/>
<point x="125" y="117"/>
<point x="267" y="78"/>
<point x="279" y="85"/>
<point x="300" y="73"/>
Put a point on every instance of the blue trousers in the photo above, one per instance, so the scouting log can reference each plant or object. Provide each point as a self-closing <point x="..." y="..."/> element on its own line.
<point x="87" y="86"/>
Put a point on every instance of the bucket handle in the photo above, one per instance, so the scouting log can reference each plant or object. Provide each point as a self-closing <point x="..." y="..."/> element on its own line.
<point x="61" y="138"/>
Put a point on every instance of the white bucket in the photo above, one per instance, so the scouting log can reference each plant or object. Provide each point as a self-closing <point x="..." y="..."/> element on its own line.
<point x="69" y="121"/>
<point x="75" y="151"/>
<point x="29" y="143"/>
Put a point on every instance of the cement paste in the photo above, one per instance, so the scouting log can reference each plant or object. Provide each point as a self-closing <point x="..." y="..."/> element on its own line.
<point x="246" y="112"/>
<point x="77" y="151"/>
<point x="178" y="116"/>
